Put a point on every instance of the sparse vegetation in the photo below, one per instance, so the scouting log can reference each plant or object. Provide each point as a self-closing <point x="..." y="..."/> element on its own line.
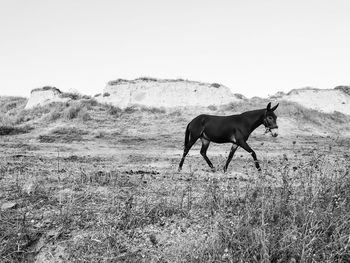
<point x="212" y="107"/>
<point x="153" y="109"/>
<point x="345" y="89"/>
<point x="63" y="134"/>
<point x="86" y="97"/>
<point x="118" y="81"/>
<point x="216" y="85"/>
<point x="102" y="187"/>
<point x="294" y="212"/>
<point x="291" y="110"/>
<point x="46" y="88"/>
<point x="130" y="109"/>
<point x="114" y="111"/>
<point x="148" y="79"/>
<point x="11" y="130"/>
<point x="71" y="112"/>
<point x="70" y="95"/>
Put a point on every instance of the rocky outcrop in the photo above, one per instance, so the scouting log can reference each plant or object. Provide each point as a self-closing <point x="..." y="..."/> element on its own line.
<point x="44" y="95"/>
<point x="324" y="100"/>
<point x="166" y="93"/>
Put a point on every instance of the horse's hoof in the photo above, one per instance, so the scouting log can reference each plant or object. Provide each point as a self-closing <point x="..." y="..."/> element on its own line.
<point x="179" y="169"/>
<point x="213" y="169"/>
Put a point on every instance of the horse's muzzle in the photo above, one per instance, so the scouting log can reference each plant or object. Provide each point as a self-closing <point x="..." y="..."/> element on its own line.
<point x="274" y="132"/>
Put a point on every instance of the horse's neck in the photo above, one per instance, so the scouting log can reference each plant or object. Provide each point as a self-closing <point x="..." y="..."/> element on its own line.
<point x="255" y="119"/>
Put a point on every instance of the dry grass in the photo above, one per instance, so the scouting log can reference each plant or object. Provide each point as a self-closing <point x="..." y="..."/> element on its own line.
<point x="126" y="203"/>
<point x="10" y="130"/>
<point x="63" y="135"/>
<point x="294" y="212"/>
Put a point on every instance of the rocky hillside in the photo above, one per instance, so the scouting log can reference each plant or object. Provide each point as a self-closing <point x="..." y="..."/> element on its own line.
<point x="324" y="100"/>
<point x="151" y="92"/>
<point x="45" y="95"/>
<point x="166" y="93"/>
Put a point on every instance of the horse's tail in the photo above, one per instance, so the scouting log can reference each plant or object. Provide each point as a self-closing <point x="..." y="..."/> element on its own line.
<point x="187" y="135"/>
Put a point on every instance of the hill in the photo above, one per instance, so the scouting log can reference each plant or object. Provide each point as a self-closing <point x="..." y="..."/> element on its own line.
<point x="166" y="93"/>
<point x="325" y="100"/>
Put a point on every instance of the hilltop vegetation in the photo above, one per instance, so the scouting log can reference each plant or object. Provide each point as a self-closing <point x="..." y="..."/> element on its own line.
<point x="87" y="109"/>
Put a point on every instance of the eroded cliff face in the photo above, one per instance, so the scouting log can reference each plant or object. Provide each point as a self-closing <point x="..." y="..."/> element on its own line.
<point x="166" y="93"/>
<point x="324" y="100"/>
<point x="183" y="93"/>
<point x="42" y="96"/>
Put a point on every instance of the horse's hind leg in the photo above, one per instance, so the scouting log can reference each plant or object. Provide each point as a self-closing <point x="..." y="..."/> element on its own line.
<point x="205" y="145"/>
<point x="186" y="150"/>
<point x="232" y="152"/>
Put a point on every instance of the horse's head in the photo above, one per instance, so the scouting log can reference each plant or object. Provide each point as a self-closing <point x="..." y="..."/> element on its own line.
<point x="270" y="120"/>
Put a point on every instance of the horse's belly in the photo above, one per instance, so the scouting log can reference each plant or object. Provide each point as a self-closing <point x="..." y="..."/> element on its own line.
<point x="219" y="138"/>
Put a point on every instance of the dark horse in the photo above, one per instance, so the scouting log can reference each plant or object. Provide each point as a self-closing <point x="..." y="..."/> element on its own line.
<point x="233" y="129"/>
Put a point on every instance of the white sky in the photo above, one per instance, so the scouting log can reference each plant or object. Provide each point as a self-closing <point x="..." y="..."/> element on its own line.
<point x="255" y="47"/>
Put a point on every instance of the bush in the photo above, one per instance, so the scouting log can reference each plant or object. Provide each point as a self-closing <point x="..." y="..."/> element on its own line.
<point x="73" y="96"/>
<point x="114" y="111"/>
<point x="84" y="115"/>
<point x="11" y="130"/>
<point x="89" y="103"/>
<point x="118" y="81"/>
<point x="54" y="115"/>
<point x="63" y="134"/>
<point x="71" y="112"/>
<point x="12" y="104"/>
<point x="130" y="109"/>
<point x="215" y="85"/>
<point x="106" y="94"/>
<point x="152" y="109"/>
<point x="212" y="107"/>
<point x="148" y="79"/>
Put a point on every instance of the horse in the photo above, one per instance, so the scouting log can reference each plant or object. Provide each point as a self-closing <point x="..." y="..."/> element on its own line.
<point x="234" y="129"/>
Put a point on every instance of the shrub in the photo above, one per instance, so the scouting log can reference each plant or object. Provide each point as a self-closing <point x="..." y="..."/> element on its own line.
<point x="152" y="109"/>
<point x="12" y="104"/>
<point x="114" y="111"/>
<point x="73" y="96"/>
<point x="117" y="81"/>
<point x="63" y="134"/>
<point x="130" y="109"/>
<point x="11" y="130"/>
<point x="106" y="94"/>
<point x="84" y="115"/>
<point x="71" y="112"/>
<point x="215" y="85"/>
<point x="99" y="134"/>
<point x="89" y="103"/>
<point x="240" y="96"/>
<point x="54" y="115"/>
<point x="212" y="107"/>
<point x="147" y="79"/>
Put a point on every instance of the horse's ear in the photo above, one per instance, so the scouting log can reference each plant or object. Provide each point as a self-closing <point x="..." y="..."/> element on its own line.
<point x="268" y="106"/>
<point x="275" y="107"/>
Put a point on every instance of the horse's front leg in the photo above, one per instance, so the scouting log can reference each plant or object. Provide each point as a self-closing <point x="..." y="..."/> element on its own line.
<point x="246" y="147"/>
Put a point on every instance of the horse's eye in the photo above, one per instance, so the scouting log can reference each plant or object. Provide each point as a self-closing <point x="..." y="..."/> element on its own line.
<point x="270" y="118"/>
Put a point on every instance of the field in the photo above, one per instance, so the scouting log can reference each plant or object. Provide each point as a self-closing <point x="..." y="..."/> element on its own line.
<point x="86" y="182"/>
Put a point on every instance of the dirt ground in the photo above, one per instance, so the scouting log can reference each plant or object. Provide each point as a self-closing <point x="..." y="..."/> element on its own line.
<point x="111" y="192"/>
